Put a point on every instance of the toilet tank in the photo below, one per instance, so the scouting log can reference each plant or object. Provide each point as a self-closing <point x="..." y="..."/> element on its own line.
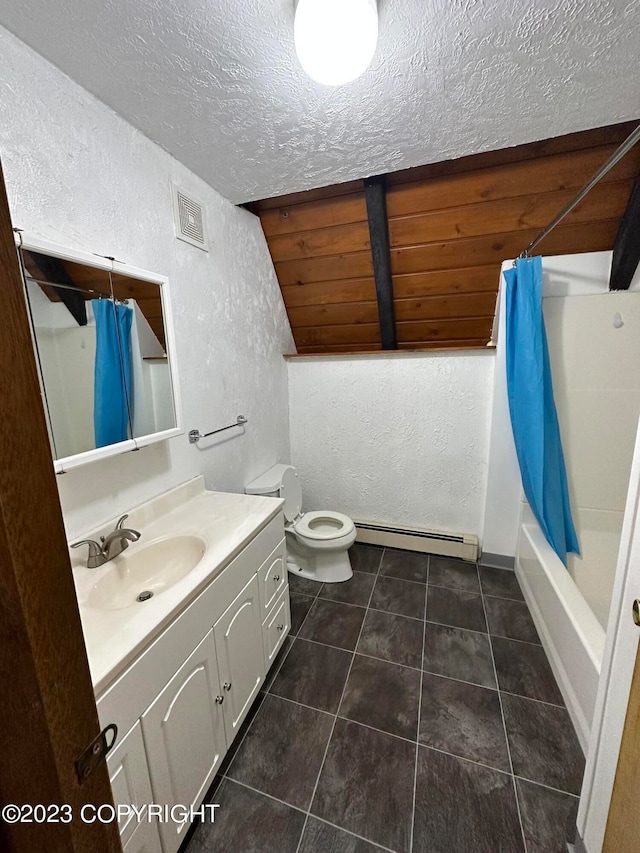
<point x="279" y="481"/>
<point x="268" y="483"/>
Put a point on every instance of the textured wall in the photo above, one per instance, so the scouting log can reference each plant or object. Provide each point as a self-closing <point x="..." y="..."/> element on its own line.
<point x="401" y="439"/>
<point x="219" y="86"/>
<point x="79" y="175"/>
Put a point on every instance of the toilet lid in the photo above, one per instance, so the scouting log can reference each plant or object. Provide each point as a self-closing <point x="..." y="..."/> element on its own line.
<point x="324" y="525"/>
<point x="291" y="491"/>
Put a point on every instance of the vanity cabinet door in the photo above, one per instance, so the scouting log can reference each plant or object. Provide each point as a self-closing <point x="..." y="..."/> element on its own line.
<point x="129" y="777"/>
<point x="145" y="839"/>
<point x="238" y="635"/>
<point x="184" y="737"/>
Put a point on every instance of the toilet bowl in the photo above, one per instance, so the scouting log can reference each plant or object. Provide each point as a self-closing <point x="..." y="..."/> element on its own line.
<point x="317" y="542"/>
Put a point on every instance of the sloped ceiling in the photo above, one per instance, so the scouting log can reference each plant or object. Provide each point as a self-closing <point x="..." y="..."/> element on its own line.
<point x="450" y="227"/>
<point x="217" y="83"/>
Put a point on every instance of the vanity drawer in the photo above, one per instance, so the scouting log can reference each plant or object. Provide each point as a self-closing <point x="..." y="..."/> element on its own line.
<point x="272" y="577"/>
<point x="129" y="777"/>
<point x="276" y="627"/>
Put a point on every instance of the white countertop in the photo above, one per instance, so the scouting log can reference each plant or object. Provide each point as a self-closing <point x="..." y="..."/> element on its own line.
<point x="225" y="521"/>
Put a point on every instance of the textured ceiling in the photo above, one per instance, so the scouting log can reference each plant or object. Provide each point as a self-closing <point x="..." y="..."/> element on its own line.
<point x="217" y="83"/>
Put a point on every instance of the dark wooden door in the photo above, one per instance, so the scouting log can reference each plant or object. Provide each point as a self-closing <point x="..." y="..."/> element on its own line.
<point x="47" y="709"/>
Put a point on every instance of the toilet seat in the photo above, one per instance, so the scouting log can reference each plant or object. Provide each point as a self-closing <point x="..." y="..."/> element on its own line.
<point x="317" y="542"/>
<point x="321" y="525"/>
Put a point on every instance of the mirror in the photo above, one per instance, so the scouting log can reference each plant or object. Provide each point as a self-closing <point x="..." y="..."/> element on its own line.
<point x="100" y="334"/>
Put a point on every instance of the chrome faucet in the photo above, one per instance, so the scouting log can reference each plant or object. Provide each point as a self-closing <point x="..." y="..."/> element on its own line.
<point x="110" y="546"/>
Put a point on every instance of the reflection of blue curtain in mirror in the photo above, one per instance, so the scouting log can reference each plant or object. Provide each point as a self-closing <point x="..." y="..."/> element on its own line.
<point x="112" y="375"/>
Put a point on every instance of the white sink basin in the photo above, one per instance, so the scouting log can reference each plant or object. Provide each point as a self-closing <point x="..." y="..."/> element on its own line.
<point x="140" y="573"/>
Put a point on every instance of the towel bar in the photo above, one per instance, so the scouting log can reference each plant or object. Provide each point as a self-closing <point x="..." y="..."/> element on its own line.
<point x="195" y="435"/>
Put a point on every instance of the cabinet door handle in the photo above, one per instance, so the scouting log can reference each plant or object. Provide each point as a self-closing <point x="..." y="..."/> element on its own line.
<point x="219" y="700"/>
<point x="276" y="578"/>
<point x="226" y="685"/>
<point x="280" y="627"/>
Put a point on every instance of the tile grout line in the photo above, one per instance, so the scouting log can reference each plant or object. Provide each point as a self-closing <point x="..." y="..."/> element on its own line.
<point x="353" y="834"/>
<point x="415" y="769"/>
<point x="548" y="787"/>
<point x="335" y="719"/>
<point x="502" y="597"/>
<point x="516" y="640"/>
<point x="504" y="723"/>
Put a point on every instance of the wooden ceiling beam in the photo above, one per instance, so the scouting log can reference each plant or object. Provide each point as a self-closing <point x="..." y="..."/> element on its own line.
<point x="626" y="248"/>
<point x="375" y="196"/>
<point x="54" y="271"/>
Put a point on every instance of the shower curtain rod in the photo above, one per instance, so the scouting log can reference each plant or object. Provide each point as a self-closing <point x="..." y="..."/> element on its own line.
<point x="617" y="155"/>
<point x="98" y="293"/>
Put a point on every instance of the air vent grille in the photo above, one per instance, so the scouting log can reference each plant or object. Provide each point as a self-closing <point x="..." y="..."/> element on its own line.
<point x="189" y="220"/>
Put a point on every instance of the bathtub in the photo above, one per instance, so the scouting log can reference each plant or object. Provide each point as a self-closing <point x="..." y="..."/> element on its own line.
<point x="571" y="635"/>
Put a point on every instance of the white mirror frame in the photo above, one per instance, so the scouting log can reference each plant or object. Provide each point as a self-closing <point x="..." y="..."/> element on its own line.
<point x="31" y="243"/>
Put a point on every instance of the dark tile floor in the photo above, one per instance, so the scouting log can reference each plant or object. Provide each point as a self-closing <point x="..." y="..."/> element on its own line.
<point x="412" y="709"/>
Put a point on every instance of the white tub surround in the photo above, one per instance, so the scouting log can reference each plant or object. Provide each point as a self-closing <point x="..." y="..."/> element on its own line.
<point x="225" y="522"/>
<point x="594" y="347"/>
<point x="595" y="401"/>
<point x="570" y="633"/>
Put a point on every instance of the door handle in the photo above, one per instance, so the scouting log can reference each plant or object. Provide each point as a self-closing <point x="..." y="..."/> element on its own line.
<point x="636" y="612"/>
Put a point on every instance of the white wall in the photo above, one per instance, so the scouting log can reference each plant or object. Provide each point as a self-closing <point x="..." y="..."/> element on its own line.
<point x="79" y="175"/>
<point x="401" y="439"/>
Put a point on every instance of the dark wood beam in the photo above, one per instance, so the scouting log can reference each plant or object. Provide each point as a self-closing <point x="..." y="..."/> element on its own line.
<point x="626" y="249"/>
<point x="53" y="270"/>
<point x="375" y="195"/>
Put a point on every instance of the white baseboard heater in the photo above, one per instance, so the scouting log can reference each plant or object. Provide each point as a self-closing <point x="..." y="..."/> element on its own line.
<point x="464" y="545"/>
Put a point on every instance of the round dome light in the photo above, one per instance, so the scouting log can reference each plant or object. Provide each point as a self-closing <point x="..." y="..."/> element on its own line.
<point x="335" y="39"/>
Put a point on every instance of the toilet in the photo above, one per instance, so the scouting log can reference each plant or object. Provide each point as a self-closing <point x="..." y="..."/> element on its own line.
<point x="317" y="542"/>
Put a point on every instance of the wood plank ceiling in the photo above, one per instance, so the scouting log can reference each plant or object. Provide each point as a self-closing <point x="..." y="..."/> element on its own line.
<point x="450" y="226"/>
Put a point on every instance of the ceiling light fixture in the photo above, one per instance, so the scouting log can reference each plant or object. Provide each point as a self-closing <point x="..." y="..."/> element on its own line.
<point x="335" y="39"/>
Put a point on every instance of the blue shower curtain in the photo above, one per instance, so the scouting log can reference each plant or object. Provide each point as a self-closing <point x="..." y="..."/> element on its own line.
<point x="533" y="411"/>
<point x="112" y="374"/>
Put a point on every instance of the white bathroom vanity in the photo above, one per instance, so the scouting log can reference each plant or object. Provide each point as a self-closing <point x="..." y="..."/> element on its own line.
<point x="178" y="670"/>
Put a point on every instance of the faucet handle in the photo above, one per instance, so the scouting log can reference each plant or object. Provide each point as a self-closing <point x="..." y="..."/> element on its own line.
<point x="96" y="555"/>
<point x="94" y="548"/>
<point x="121" y="521"/>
